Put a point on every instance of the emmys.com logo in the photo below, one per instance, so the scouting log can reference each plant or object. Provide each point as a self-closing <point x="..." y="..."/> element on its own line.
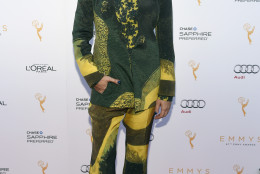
<point x="181" y="170"/>
<point x="246" y="141"/>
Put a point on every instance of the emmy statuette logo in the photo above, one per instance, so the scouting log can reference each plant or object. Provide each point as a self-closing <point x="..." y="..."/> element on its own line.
<point x="243" y="103"/>
<point x="3" y="29"/>
<point x="41" y="164"/>
<point x="237" y="169"/>
<point x="89" y="132"/>
<point x="191" y="138"/>
<point x="38" y="28"/>
<point x="247" y="27"/>
<point x="41" y="100"/>
<point x="194" y="67"/>
<point x="199" y="2"/>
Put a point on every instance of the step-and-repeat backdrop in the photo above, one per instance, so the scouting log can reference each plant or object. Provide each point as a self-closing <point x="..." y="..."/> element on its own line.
<point x="213" y="125"/>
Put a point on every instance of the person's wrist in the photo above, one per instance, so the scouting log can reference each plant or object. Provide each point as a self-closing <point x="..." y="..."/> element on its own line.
<point x="92" y="82"/>
<point x="165" y="98"/>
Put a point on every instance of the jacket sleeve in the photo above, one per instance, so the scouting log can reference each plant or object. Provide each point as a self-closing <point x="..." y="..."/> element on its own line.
<point x="164" y="36"/>
<point x="82" y="33"/>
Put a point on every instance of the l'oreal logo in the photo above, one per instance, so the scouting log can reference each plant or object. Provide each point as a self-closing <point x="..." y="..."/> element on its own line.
<point x="40" y="68"/>
<point x="2" y="103"/>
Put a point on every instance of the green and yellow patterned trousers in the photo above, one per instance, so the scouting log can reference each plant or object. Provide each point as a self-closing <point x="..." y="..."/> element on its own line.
<point x="105" y="124"/>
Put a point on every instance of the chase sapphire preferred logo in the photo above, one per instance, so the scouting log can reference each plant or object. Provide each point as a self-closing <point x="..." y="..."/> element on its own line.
<point x="247" y="1"/>
<point x="4" y="170"/>
<point x="40" y="137"/>
<point x="193" y="33"/>
<point x="82" y="104"/>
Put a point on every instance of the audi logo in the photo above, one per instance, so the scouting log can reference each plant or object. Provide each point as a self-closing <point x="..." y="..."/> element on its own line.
<point x="193" y="103"/>
<point x="85" y="168"/>
<point x="246" y="69"/>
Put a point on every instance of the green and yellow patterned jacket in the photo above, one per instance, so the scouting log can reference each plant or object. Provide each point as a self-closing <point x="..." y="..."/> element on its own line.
<point x="133" y="43"/>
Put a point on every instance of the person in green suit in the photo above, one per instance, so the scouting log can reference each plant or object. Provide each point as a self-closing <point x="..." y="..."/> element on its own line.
<point x="131" y="74"/>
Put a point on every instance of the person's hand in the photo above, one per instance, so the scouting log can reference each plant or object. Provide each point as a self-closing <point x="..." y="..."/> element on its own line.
<point x="102" y="84"/>
<point x="165" y="107"/>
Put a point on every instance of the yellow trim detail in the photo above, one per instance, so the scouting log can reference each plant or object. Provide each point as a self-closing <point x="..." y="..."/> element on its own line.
<point x="86" y="67"/>
<point x="136" y="154"/>
<point x="167" y="70"/>
<point x="139" y="120"/>
<point x="108" y="141"/>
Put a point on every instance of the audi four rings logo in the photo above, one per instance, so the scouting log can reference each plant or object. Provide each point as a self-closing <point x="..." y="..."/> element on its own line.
<point x="193" y="103"/>
<point x="85" y="168"/>
<point x="247" y="69"/>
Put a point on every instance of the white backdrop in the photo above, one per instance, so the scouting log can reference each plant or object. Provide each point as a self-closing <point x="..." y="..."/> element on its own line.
<point x="213" y="126"/>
